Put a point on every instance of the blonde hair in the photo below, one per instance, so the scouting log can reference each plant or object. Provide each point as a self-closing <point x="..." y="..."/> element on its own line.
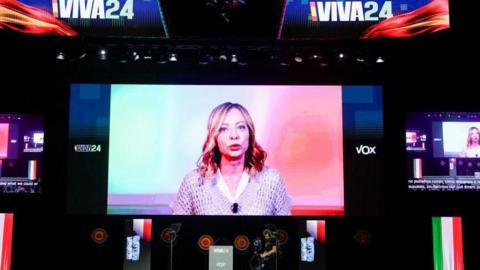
<point x="469" y="139"/>
<point x="209" y="161"/>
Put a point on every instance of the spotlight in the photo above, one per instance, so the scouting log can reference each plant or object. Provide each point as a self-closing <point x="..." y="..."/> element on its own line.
<point x="60" y="56"/>
<point x="316" y="57"/>
<point x="82" y="55"/>
<point x="160" y="56"/>
<point x="234" y="58"/>
<point x="320" y="59"/>
<point x="344" y="58"/>
<point x="102" y="54"/>
<point x="135" y="56"/>
<point x="242" y="62"/>
<point x="298" y="58"/>
<point x="161" y="59"/>
<point x="172" y="57"/>
<point x="284" y="61"/>
<point x="205" y="59"/>
<point x="123" y="58"/>
<point x="380" y="60"/>
<point x="222" y="57"/>
<point x="274" y="58"/>
<point x="148" y="56"/>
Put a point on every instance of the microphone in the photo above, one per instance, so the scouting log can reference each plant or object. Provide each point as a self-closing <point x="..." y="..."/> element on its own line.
<point x="235" y="208"/>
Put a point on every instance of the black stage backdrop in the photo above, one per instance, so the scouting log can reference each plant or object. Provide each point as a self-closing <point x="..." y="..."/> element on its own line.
<point x="428" y="74"/>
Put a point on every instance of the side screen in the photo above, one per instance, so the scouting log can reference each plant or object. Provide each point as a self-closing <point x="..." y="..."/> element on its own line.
<point x="443" y="151"/>
<point x="21" y="153"/>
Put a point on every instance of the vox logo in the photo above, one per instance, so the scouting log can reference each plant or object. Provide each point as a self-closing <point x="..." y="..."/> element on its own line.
<point x="365" y="150"/>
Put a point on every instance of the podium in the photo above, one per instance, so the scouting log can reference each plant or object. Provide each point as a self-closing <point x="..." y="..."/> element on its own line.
<point x="220" y="258"/>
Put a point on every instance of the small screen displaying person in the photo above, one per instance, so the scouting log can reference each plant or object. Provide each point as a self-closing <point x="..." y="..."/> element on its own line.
<point x="472" y="149"/>
<point x="231" y="177"/>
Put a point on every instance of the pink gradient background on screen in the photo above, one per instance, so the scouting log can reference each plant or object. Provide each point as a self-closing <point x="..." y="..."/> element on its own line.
<point x="300" y="128"/>
<point x="304" y="141"/>
<point x="3" y="140"/>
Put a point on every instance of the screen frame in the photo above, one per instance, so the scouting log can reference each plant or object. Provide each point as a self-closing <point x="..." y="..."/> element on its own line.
<point x="358" y="199"/>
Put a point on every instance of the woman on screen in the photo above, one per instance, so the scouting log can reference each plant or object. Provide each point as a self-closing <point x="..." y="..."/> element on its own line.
<point x="231" y="178"/>
<point x="472" y="150"/>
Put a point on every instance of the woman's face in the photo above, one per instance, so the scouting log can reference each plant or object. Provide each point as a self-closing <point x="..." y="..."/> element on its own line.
<point x="474" y="135"/>
<point x="233" y="136"/>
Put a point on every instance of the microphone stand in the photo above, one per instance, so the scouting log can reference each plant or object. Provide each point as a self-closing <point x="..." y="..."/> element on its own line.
<point x="276" y="251"/>
<point x="171" y="249"/>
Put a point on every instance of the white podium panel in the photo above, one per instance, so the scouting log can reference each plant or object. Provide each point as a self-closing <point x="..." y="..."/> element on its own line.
<point x="220" y="258"/>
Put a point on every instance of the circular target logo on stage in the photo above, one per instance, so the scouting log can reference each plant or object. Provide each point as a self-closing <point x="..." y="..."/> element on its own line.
<point x="282" y="237"/>
<point x="99" y="236"/>
<point x="205" y="241"/>
<point x="363" y="238"/>
<point x="168" y="235"/>
<point x="241" y="243"/>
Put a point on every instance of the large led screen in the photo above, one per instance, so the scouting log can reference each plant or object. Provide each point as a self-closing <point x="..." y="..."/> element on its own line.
<point x="325" y="19"/>
<point x="84" y="17"/>
<point x="218" y="149"/>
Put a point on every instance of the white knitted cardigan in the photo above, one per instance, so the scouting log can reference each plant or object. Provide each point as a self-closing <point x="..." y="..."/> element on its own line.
<point x="265" y="194"/>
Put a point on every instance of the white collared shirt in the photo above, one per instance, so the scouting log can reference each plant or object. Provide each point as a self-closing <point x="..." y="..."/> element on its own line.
<point x="240" y="188"/>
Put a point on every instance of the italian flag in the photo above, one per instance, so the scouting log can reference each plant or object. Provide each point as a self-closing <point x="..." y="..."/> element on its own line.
<point x="447" y="243"/>
<point x="143" y="228"/>
<point x="6" y="231"/>
<point x="316" y="229"/>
